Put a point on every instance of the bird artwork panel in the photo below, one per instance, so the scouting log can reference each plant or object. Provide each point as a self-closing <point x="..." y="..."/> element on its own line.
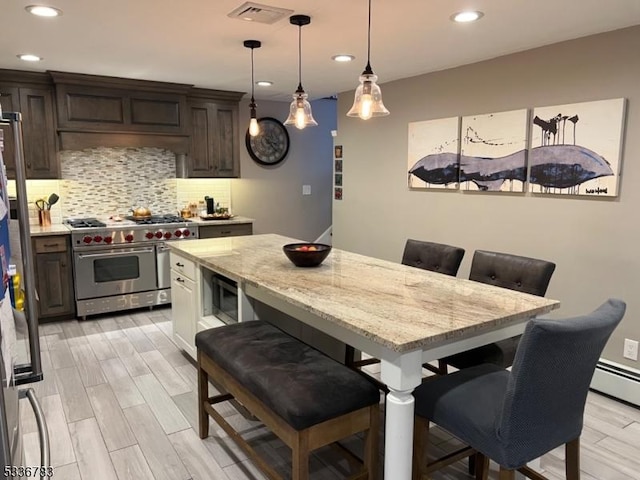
<point x="493" y="152"/>
<point x="576" y="148"/>
<point x="433" y="154"/>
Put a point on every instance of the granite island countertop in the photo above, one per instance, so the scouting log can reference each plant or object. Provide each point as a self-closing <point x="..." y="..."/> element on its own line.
<point x="399" y="307"/>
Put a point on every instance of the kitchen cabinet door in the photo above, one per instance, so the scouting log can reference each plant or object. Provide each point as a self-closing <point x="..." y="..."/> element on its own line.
<point x="54" y="277"/>
<point x="36" y="105"/>
<point x="214" y="150"/>
<point x="183" y="312"/>
<point x="10" y="102"/>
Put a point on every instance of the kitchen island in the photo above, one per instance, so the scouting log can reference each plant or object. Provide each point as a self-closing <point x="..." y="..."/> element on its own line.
<point x="402" y="315"/>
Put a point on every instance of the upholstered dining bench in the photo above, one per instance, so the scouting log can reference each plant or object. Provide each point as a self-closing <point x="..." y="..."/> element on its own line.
<point x="305" y="398"/>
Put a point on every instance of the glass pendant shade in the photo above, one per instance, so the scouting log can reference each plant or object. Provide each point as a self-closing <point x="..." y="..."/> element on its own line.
<point x="368" y="99"/>
<point x="300" y="109"/>
<point x="300" y="112"/>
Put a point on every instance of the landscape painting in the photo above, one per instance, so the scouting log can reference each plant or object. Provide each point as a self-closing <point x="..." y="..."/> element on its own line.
<point x="433" y="156"/>
<point x="493" y="152"/>
<point x="575" y="148"/>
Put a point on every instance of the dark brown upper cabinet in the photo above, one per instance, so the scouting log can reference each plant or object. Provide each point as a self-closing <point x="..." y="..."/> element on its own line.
<point x="32" y="95"/>
<point x="214" y="148"/>
<point x="99" y="104"/>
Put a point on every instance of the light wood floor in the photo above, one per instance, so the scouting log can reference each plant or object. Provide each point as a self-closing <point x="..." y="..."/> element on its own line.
<point x="120" y="402"/>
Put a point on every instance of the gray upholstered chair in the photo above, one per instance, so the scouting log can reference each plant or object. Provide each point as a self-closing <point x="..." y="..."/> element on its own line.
<point x="436" y="257"/>
<point x="524" y="274"/>
<point x="519" y="415"/>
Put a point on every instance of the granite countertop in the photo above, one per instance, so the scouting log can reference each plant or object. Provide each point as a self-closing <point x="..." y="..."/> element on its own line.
<point x="53" y="229"/>
<point x="400" y="307"/>
<point x="62" y="229"/>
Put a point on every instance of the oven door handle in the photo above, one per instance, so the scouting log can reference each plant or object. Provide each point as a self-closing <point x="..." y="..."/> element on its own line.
<point x="114" y="254"/>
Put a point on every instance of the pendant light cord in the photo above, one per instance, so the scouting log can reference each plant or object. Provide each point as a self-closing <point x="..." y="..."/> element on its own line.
<point x="300" y="57"/>
<point x="252" y="81"/>
<point x="367" y="69"/>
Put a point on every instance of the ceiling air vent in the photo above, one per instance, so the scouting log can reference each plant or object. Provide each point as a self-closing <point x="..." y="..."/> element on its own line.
<point x="256" y="12"/>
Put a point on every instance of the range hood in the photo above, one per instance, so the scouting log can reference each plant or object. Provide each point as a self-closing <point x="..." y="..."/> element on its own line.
<point x="70" y="140"/>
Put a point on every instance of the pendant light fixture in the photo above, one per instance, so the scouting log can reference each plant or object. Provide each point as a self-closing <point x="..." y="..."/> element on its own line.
<point x="300" y="110"/>
<point x="368" y="99"/>
<point x="254" y="128"/>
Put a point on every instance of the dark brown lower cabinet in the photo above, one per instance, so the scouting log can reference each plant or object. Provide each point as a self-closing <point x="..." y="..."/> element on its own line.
<point x="54" y="277"/>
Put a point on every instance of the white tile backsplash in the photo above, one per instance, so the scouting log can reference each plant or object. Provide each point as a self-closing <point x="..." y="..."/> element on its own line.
<point x="105" y="181"/>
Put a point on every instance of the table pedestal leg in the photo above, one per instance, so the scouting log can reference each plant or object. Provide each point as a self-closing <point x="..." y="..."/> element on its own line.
<point x="401" y="374"/>
<point x="398" y="442"/>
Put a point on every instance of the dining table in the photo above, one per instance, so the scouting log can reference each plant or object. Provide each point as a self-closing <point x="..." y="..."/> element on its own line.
<point x="402" y="315"/>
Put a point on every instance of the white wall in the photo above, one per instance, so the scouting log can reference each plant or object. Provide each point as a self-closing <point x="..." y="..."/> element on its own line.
<point x="594" y="242"/>
<point x="273" y="195"/>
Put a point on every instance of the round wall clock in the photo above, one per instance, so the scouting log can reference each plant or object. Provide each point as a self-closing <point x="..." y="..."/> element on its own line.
<point x="271" y="145"/>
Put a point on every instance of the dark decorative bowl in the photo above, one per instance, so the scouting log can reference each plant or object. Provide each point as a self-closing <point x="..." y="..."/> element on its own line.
<point x="301" y="256"/>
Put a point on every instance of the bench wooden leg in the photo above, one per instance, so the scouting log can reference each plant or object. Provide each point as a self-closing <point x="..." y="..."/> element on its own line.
<point x="203" y="398"/>
<point x="300" y="456"/>
<point x="371" y="446"/>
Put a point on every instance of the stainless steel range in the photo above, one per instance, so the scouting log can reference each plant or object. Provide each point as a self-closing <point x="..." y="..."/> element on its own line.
<point x="123" y="265"/>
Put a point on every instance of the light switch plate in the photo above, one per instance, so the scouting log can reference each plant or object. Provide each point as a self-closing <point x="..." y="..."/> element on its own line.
<point x="306" y="189"/>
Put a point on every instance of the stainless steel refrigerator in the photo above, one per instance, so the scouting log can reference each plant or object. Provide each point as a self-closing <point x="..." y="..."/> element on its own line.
<point x="20" y="363"/>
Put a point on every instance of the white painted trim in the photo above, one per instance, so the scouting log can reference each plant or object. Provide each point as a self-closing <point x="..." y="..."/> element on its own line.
<point x="617" y="380"/>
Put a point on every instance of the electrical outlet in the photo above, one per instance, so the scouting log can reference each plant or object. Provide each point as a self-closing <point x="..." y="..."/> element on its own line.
<point x="306" y="189"/>
<point x="630" y="349"/>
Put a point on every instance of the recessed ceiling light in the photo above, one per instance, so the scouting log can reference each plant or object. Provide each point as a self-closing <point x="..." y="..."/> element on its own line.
<point x="264" y="83"/>
<point x="43" y="11"/>
<point x="465" y="17"/>
<point x="27" y="57"/>
<point x="343" y="58"/>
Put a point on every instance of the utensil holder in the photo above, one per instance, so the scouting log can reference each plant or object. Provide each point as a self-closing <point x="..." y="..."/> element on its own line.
<point x="44" y="218"/>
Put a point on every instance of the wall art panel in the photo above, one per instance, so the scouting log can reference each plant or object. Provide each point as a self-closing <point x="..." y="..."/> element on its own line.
<point x="434" y="153"/>
<point x="493" y="152"/>
<point x="575" y="148"/>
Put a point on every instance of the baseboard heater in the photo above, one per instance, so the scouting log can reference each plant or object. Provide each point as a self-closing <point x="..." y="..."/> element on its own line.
<point x="618" y="381"/>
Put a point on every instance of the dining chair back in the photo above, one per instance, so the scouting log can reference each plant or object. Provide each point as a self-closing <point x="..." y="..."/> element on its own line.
<point x="436" y="257"/>
<point x="524" y="274"/>
<point x="519" y="415"/>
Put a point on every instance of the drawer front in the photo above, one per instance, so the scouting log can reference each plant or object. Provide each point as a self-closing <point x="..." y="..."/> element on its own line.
<point x="182" y="266"/>
<point x="50" y="244"/>
<point x="216" y="231"/>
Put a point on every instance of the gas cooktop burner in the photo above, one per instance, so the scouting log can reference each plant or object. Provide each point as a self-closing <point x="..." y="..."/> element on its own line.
<point x="85" y="223"/>
<point x="157" y="219"/>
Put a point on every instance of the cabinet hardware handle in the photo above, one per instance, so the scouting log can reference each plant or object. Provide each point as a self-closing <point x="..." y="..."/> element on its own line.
<point x="180" y="264"/>
<point x="50" y="245"/>
<point x="225" y="232"/>
<point x="178" y="279"/>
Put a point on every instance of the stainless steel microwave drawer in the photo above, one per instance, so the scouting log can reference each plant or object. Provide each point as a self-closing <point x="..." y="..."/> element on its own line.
<point x="216" y="231"/>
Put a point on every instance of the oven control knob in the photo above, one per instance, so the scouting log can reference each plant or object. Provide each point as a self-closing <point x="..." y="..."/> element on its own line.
<point x="149" y="235"/>
<point x="97" y="239"/>
<point x="178" y="233"/>
<point x="167" y="235"/>
<point x="158" y="234"/>
<point x="108" y="239"/>
<point x="87" y="239"/>
<point x="186" y="232"/>
<point x="128" y="237"/>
